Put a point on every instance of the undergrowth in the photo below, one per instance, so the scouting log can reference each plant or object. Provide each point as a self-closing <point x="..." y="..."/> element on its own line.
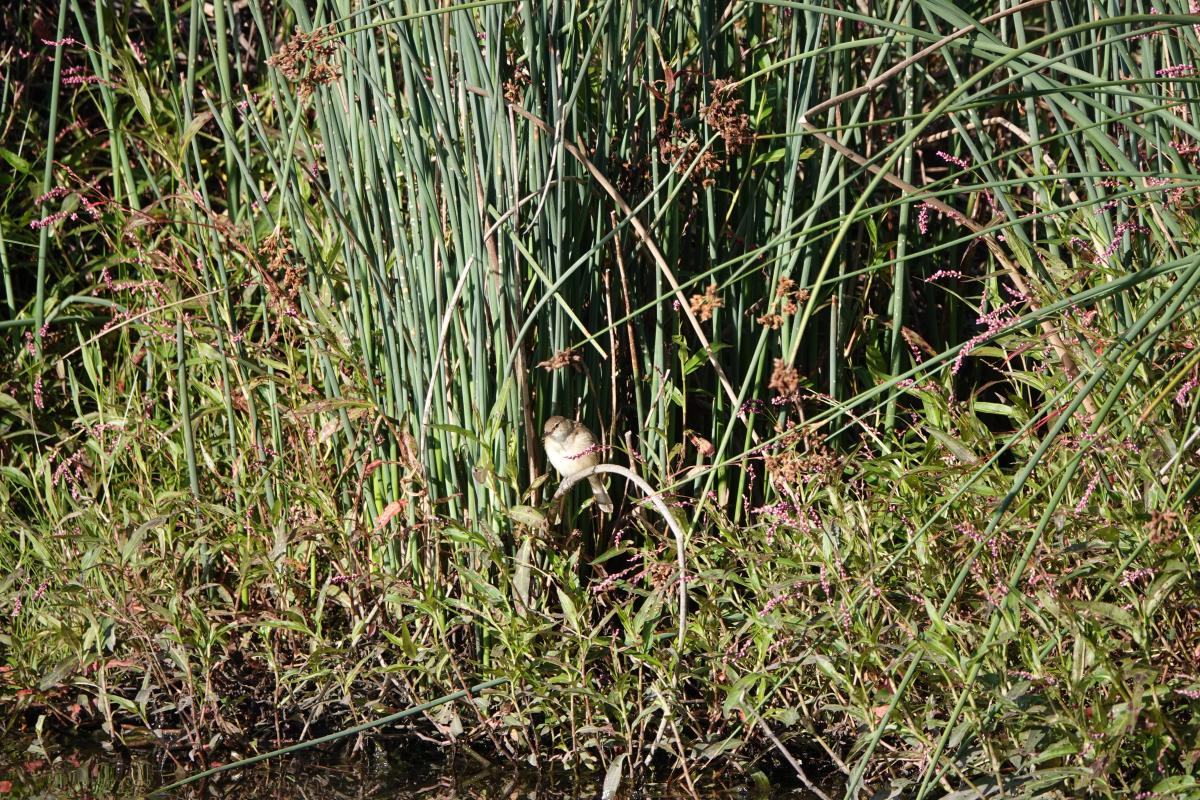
<point x="901" y="323"/>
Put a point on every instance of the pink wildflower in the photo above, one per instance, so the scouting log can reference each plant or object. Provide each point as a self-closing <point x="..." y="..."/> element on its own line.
<point x="945" y="273"/>
<point x="960" y="162"/>
<point x="1181" y="397"/>
<point x="1175" y="72"/>
<point x="923" y="218"/>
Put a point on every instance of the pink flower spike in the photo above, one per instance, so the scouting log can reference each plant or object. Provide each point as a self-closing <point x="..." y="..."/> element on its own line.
<point x="960" y="162"/>
<point x="1181" y="397"/>
<point x="53" y="194"/>
<point x="46" y="221"/>
<point x="1175" y="72"/>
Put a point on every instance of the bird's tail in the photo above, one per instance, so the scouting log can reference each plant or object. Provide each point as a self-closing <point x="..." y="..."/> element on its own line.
<point x="601" y="495"/>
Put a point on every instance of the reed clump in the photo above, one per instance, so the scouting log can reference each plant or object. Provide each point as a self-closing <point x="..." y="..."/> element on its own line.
<point x="895" y="312"/>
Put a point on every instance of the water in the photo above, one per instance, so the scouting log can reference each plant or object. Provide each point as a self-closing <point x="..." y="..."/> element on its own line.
<point x="85" y="769"/>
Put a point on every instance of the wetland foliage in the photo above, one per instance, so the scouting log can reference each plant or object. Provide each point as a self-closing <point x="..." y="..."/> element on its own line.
<point x="894" y="303"/>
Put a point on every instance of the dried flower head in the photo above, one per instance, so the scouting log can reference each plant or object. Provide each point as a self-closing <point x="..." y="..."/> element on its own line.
<point x="723" y="114"/>
<point x="679" y="146"/>
<point x="789" y="296"/>
<point x="308" y="59"/>
<point x="801" y="459"/>
<point x="514" y="87"/>
<point x="785" y="379"/>
<point x="561" y="359"/>
<point x="772" y="321"/>
<point x="282" y="275"/>
<point x="1164" y="526"/>
<point x="703" y="446"/>
<point x="704" y="304"/>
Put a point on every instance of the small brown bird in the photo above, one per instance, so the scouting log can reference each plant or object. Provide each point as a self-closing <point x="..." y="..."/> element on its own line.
<point x="571" y="448"/>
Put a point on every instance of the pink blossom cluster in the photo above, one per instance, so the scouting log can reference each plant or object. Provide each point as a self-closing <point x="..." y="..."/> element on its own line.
<point x="640" y="568"/>
<point x="753" y="406"/>
<point x="30" y="344"/>
<point x="1181" y="396"/>
<point x="994" y="322"/>
<point x="923" y="218"/>
<point x="53" y="194"/>
<point x="971" y="532"/>
<point x="781" y="513"/>
<point x="70" y="470"/>
<point x="737" y="655"/>
<point x="49" y="219"/>
<point x="1175" y="72"/>
<point x="1032" y="678"/>
<point x="93" y="209"/>
<point x="1176" y="194"/>
<point x="75" y="76"/>
<point x="777" y="600"/>
<point x="1123" y="229"/>
<point x="1132" y="576"/>
<point x="1082" y="244"/>
<point x="959" y="162"/>
<point x="98" y="432"/>
<point x="945" y="273"/>
<point x="154" y="290"/>
<point x="1087" y="493"/>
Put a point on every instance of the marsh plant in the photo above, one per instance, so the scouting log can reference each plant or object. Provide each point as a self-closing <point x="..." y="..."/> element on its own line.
<point x="893" y="304"/>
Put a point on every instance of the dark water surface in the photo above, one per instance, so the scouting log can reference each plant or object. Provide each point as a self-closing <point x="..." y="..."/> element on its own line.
<point x="86" y="770"/>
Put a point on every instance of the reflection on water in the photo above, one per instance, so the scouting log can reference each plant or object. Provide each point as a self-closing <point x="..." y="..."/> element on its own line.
<point x="84" y="770"/>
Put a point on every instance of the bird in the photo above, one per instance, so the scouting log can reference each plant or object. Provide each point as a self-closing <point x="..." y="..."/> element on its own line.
<point x="572" y="448"/>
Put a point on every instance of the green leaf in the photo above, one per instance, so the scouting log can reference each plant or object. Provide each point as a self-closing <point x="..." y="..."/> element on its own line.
<point x="523" y="573"/>
<point x="612" y="778"/>
<point x="568" y="607"/>
<point x="956" y="447"/>
<point x="771" y="156"/>
<point x="528" y="515"/>
<point x="463" y="432"/>
<point x="194" y="127"/>
<point x="1061" y="748"/>
<point x="984" y="407"/>
<point x="1175" y="783"/>
<point x="15" y="161"/>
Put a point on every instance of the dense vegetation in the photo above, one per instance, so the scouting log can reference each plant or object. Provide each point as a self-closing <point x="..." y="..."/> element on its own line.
<point x="896" y="305"/>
